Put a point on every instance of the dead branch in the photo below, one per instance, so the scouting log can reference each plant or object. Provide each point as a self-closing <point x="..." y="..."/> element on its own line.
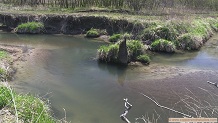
<point x="128" y="106"/>
<point x="213" y="83"/>
<point x="186" y="115"/>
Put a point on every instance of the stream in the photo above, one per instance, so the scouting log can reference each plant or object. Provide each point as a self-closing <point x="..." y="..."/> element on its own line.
<point x="63" y="69"/>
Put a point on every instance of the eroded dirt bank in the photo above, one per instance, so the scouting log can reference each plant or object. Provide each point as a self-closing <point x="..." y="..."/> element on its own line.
<point x="70" y="23"/>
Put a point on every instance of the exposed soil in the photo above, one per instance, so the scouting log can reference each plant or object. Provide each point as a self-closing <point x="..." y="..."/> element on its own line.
<point x="16" y="53"/>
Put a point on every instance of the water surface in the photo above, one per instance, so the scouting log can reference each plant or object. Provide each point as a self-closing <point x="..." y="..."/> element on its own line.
<point x="63" y="69"/>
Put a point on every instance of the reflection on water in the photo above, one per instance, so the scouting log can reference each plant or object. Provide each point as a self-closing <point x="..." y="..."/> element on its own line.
<point x="118" y="71"/>
<point x="62" y="69"/>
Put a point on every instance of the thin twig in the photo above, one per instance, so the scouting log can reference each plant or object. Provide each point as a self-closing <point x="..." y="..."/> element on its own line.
<point x="165" y="107"/>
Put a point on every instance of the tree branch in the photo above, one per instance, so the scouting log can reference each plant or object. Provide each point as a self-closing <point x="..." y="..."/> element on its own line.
<point x="186" y="115"/>
<point x="213" y="83"/>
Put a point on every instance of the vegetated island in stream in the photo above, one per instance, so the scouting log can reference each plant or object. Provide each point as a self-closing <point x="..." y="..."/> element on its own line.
<point x="133" y="34"/>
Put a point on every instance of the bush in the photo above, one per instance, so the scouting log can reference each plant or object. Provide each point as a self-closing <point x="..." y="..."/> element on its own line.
<point x="30" y="27"/>
<point x="145" y="59"/>
<point x="115" y="37"/>
<point x="93" y="33"/>
<point x="163" y="46"/>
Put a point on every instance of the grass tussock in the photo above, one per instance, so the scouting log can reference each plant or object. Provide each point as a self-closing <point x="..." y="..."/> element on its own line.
<point x="169" y="37"/>
<point x="93" y="33"/>
<point x="6" y="70"/>
<point x="163" y="45"/>
<point x="109" y="53"/>
<point x="3" y="54"/>
<point x="28" y="108"/>
<point x="115" y="37"/>
<point x="145" y="59"/>
<point x="186" y="35"/>
<point x="135" y="48"/>
<point x="30" y="27"/>
<point x="159" y="32"/>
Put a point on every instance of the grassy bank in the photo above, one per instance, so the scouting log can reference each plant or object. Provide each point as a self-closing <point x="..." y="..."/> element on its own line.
<point x="16" y="107"/>
<point x="158" y="32"/>
<point x="24" y="108"/>
<point x="30" y="27"/>
<point x="168" y="36"/>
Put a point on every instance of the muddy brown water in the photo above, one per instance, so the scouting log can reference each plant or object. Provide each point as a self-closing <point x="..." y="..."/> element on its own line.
<point x="61" y="69"/>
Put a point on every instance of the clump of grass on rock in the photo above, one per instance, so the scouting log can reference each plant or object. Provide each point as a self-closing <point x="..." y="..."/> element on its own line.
<point x="135" y="48"/>
<point x="145" y="59"/>
<point x="93" y="33"/>
<point x="115" y="37"/>
<point x="30" y="27"/>
<point x="109" y="53"/>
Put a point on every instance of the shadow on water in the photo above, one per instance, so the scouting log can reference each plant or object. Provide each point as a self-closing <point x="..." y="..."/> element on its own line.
<point x="116" y="70"/>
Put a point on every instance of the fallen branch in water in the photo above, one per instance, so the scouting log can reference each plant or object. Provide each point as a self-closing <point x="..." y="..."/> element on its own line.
<point x="213" y="83"/>
<point x="128" y="106"/>
<point x="186" y="115"/>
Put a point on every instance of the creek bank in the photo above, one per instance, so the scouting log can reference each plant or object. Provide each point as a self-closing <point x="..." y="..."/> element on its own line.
<point x="13" y="54"/>
<point x="28" y="108"/>
<point x="68" y="23"/>
<point x="167" y="36"/>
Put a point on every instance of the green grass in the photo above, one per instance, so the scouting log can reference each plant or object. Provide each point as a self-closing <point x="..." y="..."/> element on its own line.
<point x="109" y="53"/>
<point x="2" y="73"/>
<point x="145" y="59"/>
<point x="3" y="54"/>
<point x="161" y="31"/>
<point x="5" y="97"/>
<point x="189" y="41"/>
<point x="30" y="26"/>
<point x="163" y="46"/>
<point x="29" y="108"/>
<point x="93" y="33"/>
<point x="115" y="37"/>
<point x="200" y="27"/>
<point x="135" y="48"/>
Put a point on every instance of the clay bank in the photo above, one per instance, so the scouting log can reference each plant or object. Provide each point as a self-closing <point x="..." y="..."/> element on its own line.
<point x="66" y="24"/>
